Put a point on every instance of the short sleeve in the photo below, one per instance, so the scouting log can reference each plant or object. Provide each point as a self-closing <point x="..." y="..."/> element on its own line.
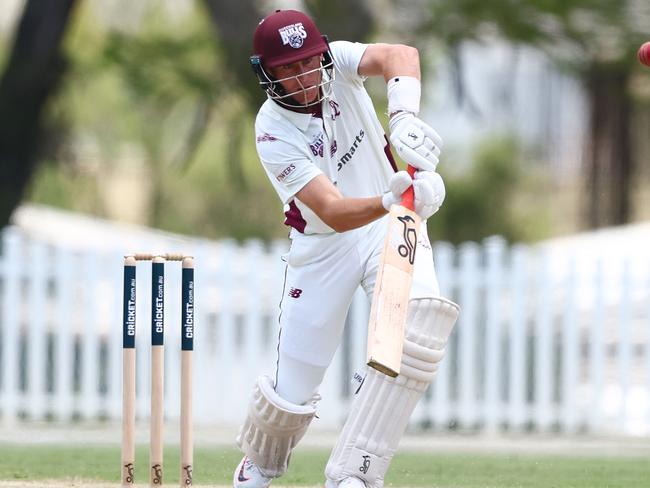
<point x="347" y="56"/>
<point x="288" y="168"/>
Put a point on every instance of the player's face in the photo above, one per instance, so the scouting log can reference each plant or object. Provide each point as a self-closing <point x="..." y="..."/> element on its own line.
<point x="301" y="78"/>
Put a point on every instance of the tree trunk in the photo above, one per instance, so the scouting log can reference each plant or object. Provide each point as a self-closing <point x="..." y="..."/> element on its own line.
<point x="235" y="22"/>
<point x="342" y="20"/>
<point x="32" y="74"/>
<point x="610" y="163"/>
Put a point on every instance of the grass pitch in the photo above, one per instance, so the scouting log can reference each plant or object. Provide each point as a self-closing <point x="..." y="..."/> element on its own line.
<point x="77" y="466"/>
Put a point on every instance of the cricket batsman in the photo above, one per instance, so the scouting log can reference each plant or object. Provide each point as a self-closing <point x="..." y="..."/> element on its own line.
<point x="327" y="156"/>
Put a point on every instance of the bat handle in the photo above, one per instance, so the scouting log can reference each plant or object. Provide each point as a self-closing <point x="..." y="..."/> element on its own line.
<point x="408" y="196"/>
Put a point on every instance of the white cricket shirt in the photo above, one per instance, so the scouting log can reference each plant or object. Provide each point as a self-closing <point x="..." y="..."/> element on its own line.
<point x="347" y="144"/>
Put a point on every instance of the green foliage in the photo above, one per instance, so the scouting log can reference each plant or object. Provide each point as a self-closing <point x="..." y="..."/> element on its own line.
<point x="164" y="68"/>
<point x="161" y="66"/>
<point x="4" y="51"/>
<point x="156" y="105"/>
<point x="52" y="187"/>
<point x="575" y="33"/>
<point x="146" y="113"/>
<point x="517" y="20"/>
<point x="487" y="199"/>
<point x="208" y="202"/>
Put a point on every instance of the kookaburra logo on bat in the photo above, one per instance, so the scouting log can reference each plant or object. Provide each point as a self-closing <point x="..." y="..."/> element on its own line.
<point x="410" y="239"/>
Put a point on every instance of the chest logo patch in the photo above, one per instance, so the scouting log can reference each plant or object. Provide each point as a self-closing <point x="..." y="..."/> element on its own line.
<point x="317" y="145"/>
<point x="266" y="137"/>
<point x="336" y="111"/>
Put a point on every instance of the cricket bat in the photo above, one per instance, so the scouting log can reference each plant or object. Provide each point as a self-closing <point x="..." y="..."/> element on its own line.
<point x="393" y="286"/>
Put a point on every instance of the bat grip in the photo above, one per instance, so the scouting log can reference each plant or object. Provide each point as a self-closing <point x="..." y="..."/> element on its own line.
<point x="408" y="196"/>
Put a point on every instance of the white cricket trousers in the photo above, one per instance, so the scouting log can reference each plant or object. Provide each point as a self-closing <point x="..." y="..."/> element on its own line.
<point x="323" y="272"/>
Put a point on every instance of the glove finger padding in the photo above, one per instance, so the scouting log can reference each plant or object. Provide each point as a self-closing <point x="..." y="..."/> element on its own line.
<point x="415" y="141"/>
<point x="399" y="182"/>
<point x="429" y="190"/>
<point x="397" y="185"/>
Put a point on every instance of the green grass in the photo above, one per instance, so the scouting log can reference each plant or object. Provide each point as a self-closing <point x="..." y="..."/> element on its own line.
<point x="215" y="465"/>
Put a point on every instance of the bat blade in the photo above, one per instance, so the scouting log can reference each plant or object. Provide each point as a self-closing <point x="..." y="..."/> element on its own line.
<point x="392" y="288"/>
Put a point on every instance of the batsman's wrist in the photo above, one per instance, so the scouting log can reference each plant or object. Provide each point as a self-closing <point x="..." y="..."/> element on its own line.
<point x="403" y="94"/>
<point x="397" y="117"/>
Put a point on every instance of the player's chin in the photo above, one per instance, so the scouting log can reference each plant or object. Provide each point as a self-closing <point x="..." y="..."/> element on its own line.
<point x="310" y="95"/>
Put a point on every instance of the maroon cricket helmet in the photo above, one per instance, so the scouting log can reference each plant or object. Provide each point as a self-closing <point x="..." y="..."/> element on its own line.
<point x="287" y="36"/>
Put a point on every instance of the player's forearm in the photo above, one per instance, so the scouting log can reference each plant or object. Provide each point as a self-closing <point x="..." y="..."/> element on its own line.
<point x="349" y="213"/>
<point x="339" y="212"/>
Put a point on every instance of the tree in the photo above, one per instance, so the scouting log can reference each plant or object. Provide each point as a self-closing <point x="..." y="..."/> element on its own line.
<point x="33" y="72"/>
<point x="343" y="20"/>
<point x="596" y="41"/>
<point x="162" y="70"/>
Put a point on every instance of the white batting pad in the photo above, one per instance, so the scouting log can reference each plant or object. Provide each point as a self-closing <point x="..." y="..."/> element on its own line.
<point x="381" y="409"/>
<point x="273" y="428"/>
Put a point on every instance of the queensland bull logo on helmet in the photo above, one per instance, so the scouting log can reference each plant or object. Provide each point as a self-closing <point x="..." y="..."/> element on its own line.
<point x="293" y="35"/>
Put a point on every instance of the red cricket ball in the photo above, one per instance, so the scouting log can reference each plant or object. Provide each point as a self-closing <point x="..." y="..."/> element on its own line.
<point x="644" y="53"/>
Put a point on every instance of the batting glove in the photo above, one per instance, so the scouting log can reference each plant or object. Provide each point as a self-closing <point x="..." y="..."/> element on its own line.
<point x="415" y="141"/>
<point x="397" y="185"/>
<point x="429" y="192"/>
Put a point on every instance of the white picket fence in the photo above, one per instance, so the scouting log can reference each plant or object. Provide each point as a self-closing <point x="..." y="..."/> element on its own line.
<point x="547" y="341"/>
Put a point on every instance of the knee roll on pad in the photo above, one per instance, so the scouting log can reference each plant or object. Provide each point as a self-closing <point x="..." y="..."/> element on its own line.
<point x="273" y="427"/>
<point x="381" y="409"/>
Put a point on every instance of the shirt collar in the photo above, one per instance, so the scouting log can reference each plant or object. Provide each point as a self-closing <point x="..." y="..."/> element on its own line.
<point x="300" y="120"/>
